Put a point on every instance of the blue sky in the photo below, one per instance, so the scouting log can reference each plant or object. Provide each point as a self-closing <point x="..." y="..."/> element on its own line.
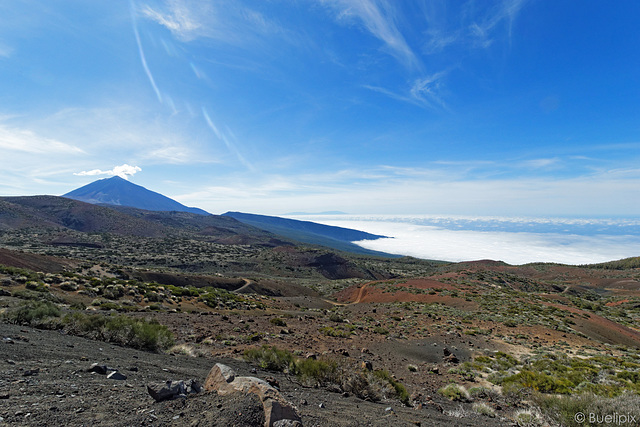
<point x="363" y="106"/>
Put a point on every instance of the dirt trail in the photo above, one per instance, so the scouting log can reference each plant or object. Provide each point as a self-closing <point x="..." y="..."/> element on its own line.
<point x="361" y="293"/>
<point x="358" y="299"/>
<point x="247" y="283"/>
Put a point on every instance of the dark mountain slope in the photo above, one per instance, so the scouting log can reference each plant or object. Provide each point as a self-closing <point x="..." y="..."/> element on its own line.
<point x="53" y="212"/>
<point x="310" y="232"/>
<point x="15" y="216"/>
<point x="222" y="229"/>
<point x="34" y="262"/>
<point x="120" y="192"/>
<point x="60" y="212"/>
<point x="337" y="233"/>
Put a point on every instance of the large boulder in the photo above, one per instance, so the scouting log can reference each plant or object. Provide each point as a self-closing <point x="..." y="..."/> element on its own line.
<point x="277" y="411"/>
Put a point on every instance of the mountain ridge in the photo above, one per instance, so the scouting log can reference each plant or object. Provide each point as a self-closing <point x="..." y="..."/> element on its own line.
<point x="117" y="191"/>
<point x="311" y="232"/>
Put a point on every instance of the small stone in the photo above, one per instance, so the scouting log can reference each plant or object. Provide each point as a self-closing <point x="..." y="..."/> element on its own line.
<point x="321" y="405"/>
<point x="31" y="372"/>
<point x="115" y="375"/>
<point x="195" y="387"/>
<point x="287" y="423"/>
<point x="272" y="382"/>
<point x="11" y="362"/>
<point x="171" y="390"/>
<point x="98" y="369"/>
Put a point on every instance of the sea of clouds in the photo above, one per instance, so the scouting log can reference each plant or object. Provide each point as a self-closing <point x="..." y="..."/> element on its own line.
<point x="513" y="240"/>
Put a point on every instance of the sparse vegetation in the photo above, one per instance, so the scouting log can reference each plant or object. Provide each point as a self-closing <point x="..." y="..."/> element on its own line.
<point x="483" y="409"/>
<point x="454" y="392"/>
<point x="137" y="333"/>
<point x="330" y="331"/>
<point x="271" y="358"/>
<point x="326" y="371"/>
<point x="558" y="365"/>
<point x="276" y="321"/>
<point x="33" y="313"/>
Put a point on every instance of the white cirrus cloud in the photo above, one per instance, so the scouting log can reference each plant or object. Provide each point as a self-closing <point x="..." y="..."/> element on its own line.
<point x="379" y="18"/>
<point x="25" y="140"/>
<point x="180" y="18"/>
<point x="223" y="20"/>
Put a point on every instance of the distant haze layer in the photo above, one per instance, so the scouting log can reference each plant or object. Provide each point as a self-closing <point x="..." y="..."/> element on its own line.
<point x="513" y="240"/>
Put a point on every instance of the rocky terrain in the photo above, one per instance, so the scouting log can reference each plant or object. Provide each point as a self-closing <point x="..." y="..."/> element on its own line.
<point x="90" y="320"/>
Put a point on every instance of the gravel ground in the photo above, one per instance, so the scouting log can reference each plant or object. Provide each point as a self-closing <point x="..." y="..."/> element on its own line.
<point x="44" y="381"/>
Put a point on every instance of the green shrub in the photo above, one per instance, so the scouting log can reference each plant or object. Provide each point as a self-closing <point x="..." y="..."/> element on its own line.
<point x="528" y="418"/>
<point x="121" y="329"/>
<point x="362" y="386"/>
<point x="278" y="322"/>
<point x="538" y="381"/>
<point x="35" y="295"/>
<point x="68" y="286"/>
<point x="483" y="393"/>
<point x="563" y="409"/>
<point x="319" y="372"/>
<point x="110" y="306"/>
<point x="325" y="371"/>
<point x="403" y="394"/>
<point x="454" y="392"/>
<point x="483" y="409"/>
<point x="33" y="313"/>
<point x="214" y="297"/>
<point x="36" y="286"/>
<point x="335" y="332"/>
<point x="498" y="361"/>
<point x="336" y="317"/>
<point x="270" y="358"/>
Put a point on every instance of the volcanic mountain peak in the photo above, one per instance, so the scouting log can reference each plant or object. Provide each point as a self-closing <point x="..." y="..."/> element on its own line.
<point x="120" y="192"/>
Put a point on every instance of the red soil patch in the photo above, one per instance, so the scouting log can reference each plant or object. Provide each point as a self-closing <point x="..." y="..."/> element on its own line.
<point x="426" y="284"/>
<point x="410" y="291"/>
<point x="46" y="264"/>
<point x="602" y="329"/>
<point x="614" y="303"/>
